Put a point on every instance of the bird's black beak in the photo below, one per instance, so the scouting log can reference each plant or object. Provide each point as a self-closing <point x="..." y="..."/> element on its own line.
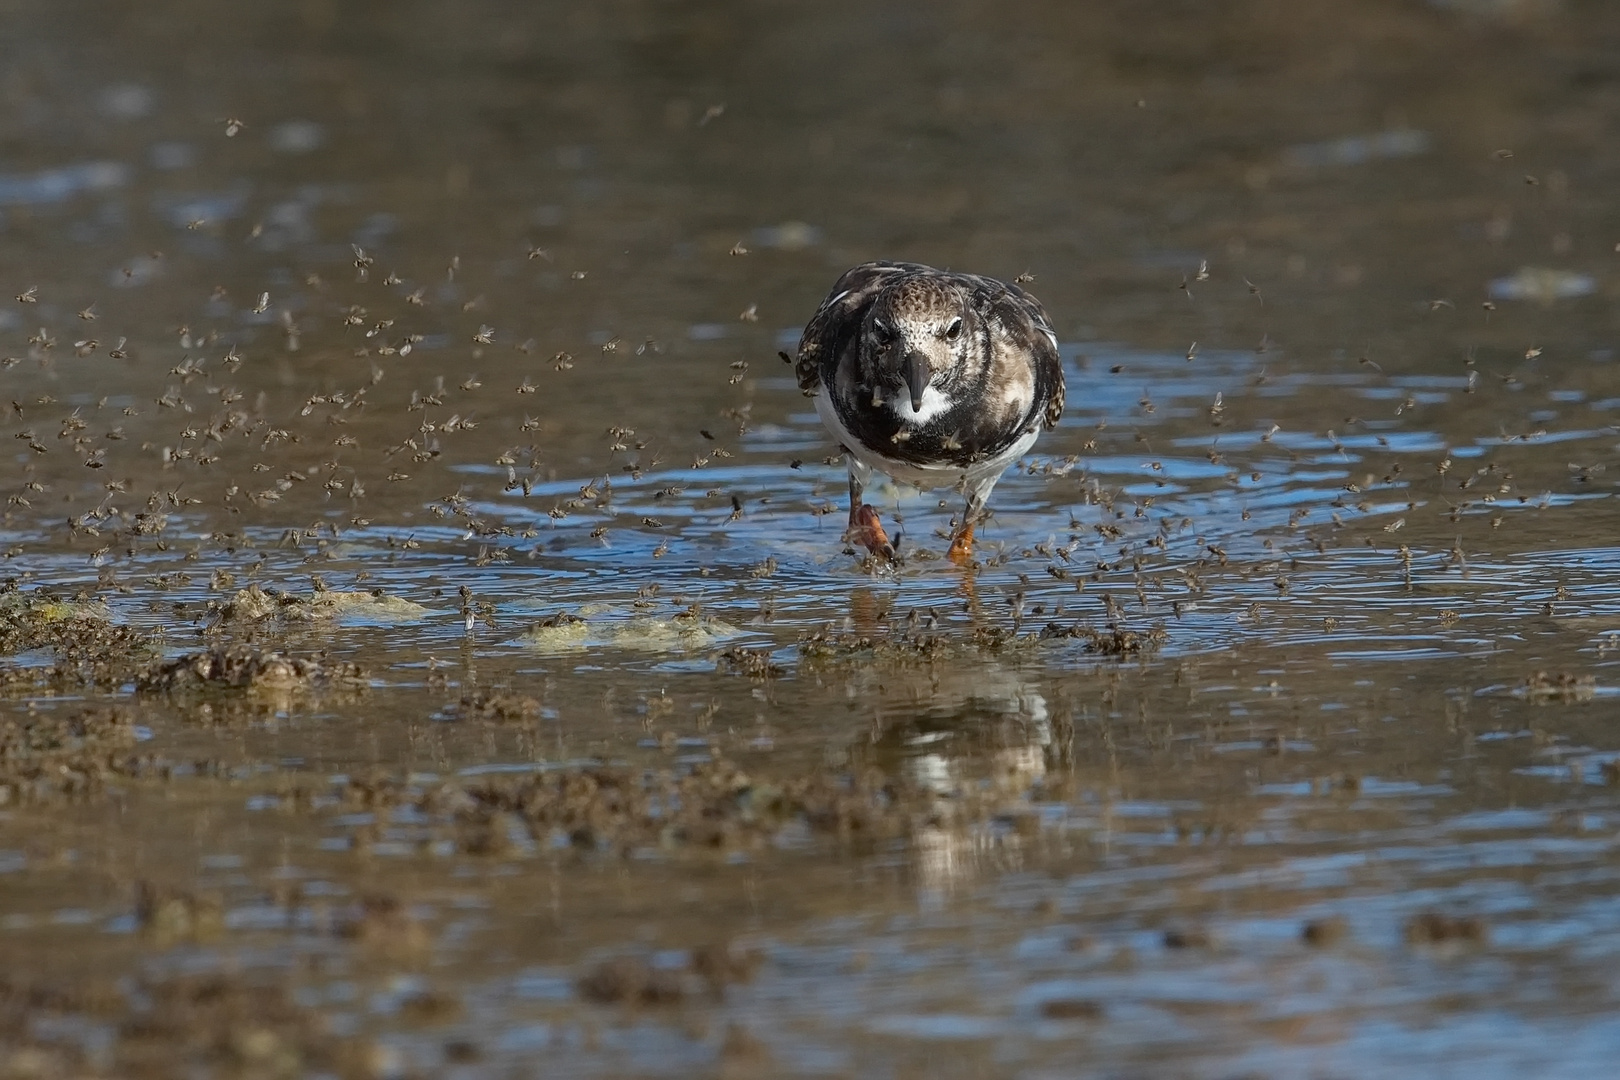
<point x="917" y="377"/>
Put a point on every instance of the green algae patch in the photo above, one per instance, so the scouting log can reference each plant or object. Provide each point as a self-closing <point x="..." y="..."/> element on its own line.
<point x="683" y="633"/>
<point x="38" y="619"/>
<point x="254" y="604"/>
<point x="559" y="633"/>
<point x="370" y="606"/>
<point x="86" y="646"/>
<point x="686" y="632"/>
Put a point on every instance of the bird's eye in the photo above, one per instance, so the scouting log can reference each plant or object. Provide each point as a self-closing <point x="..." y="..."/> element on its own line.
<point x="881" y="332"/>
<point x="954" y="331"/>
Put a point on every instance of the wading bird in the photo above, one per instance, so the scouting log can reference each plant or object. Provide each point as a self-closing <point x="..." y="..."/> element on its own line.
<point x="937" y="379"/>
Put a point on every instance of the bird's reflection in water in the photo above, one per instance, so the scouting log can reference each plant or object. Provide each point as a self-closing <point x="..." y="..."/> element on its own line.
<point x="978" y="735"/>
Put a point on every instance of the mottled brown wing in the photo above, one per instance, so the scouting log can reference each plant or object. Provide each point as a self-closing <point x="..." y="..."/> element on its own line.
<point x="1050" y="373"/>
<point x="1026" y="323"/>
<point x="839" y="318"/>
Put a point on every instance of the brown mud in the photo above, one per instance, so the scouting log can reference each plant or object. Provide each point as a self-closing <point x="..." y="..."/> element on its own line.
<point x="426" y="642"/>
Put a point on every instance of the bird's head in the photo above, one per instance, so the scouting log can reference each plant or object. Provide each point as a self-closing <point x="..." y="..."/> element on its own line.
<point x="916" y="334"/>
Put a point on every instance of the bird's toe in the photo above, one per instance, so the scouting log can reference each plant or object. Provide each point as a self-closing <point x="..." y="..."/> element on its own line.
<point x="866" y="530"/>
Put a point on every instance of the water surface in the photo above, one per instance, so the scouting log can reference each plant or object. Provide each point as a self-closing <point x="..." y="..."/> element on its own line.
<point x="430" y="645"/>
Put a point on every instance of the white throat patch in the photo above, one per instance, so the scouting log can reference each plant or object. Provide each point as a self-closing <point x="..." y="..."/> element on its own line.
<point x="933" y="404"/>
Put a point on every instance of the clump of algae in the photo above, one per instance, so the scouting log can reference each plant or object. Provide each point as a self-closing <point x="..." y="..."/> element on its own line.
<point x="685" y="632"/>
<point x="254" y="604"/>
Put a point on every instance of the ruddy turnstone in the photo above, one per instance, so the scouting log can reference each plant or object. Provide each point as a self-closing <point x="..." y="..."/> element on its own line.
<point x="935" y="378"/>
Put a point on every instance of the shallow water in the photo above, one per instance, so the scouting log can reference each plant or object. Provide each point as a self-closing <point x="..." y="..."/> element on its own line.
<point x="1271" y="736"/>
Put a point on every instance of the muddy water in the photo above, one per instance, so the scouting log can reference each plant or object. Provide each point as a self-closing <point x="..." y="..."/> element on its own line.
<point x="429" y="645"/>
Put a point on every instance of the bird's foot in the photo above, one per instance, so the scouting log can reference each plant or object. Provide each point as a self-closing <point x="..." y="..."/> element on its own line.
<point x="961" y="549"/>
<point x="866" y="530"/>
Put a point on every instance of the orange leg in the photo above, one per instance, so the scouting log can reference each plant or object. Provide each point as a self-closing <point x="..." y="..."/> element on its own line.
<point x="864" y="527"/>
<point x="961" y="550"/>
<point x="866" y="530"/>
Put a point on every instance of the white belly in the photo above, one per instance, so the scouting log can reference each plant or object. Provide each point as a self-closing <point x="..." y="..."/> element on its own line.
<point x="922" y="476"/>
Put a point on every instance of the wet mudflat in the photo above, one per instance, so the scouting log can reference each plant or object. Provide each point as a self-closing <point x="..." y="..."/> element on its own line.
<point x="428" y="645"/>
